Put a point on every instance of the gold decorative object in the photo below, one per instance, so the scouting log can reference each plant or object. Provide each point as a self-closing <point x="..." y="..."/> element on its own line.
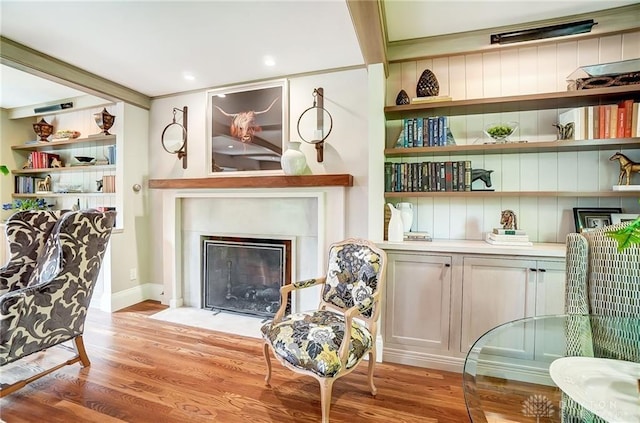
<point x="104" y="120"/>
<point x="626" y="166"/>
<point x="508" y="220"/>
<point x="43" y="130"/>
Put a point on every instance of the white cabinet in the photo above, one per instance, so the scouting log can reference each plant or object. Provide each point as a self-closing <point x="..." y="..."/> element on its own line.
<point x="499" y="290"/>
<point x="417" y="302"/>
<point x="441" y="296"/>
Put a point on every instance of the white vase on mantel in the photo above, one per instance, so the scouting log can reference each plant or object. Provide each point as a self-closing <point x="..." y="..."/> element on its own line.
<point x="293" y="160"/>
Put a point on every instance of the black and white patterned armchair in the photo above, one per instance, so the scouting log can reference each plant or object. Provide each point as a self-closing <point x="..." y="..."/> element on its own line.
<point x="328" y="343"/>
<point x="52" y="306"/>
<point x="604" y="283"/>
<point x="26" y="233"/>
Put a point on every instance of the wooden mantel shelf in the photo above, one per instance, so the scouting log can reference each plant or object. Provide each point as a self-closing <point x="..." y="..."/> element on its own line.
<point x="271" y="181"/>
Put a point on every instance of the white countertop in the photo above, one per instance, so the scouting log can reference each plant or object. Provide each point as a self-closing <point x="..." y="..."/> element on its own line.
<point x="476" y="247"/>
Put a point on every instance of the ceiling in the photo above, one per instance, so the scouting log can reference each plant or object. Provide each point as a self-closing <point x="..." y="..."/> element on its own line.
<point x="150" y="46"/>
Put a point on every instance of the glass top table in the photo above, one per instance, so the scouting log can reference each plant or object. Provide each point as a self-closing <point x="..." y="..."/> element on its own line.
<point x="562" y="368"/>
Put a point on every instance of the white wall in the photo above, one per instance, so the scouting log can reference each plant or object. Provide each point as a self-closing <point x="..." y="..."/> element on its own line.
<point x="346" y="149"/>
<point x="516" y="71"/>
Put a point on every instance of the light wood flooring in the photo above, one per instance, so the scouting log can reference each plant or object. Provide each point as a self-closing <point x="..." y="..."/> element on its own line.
<point x="145" y="370"/>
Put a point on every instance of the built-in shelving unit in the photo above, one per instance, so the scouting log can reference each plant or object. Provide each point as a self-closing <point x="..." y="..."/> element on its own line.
<point x="517" y="103"/>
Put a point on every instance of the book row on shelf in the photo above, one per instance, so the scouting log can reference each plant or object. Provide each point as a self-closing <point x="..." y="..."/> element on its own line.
<point x="619" y="120"/>
<point x="425" y="132"/>
<point x="26" y="184"/>
<point x="42" y="160"/>
<point x="446" y="176"/>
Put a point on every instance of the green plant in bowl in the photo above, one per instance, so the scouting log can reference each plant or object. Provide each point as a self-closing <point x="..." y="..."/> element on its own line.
<point x="499" y="132"/>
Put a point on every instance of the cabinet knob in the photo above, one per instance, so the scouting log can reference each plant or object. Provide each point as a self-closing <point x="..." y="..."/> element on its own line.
<point x="136" y="187"/>
<point x="532" y="269"/>
<point x="542" y="270"/>
<point x="447" y="265"/>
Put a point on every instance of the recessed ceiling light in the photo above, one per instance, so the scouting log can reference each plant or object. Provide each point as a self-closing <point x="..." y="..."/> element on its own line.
<point x="221" y="95"/>
<point x="230" y="146"/>
<point x="269" y="61"/>
<point x="188" y="76"/>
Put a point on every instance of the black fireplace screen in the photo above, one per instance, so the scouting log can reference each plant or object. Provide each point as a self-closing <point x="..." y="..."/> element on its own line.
<point x="244" y="275"/>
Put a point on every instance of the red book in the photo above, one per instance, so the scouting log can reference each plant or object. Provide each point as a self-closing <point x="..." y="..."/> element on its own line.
<point x="622" y="120"/>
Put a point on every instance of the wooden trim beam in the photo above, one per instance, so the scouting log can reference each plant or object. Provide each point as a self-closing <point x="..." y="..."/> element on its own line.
<point x="34" y="62"/>
<point x="367" y="22"/>
<point x="273" y="181"/>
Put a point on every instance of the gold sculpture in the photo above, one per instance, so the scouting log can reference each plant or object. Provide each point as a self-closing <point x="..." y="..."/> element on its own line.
<point x="626" y="166"/>
<point x="508" y="220"/>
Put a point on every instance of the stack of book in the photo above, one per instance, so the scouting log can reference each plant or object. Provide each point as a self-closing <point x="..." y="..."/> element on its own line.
<point x="514" y="237"/>
<point x="417" y="236"/>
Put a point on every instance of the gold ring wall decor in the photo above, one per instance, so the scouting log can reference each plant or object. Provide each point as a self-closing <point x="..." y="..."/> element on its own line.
<point x="320" y="133"/>
<point x="174" y="136"/>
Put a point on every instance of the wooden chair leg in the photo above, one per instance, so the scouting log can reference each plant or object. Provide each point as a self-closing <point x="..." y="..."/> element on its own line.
<point x="267" y="379"/>
<point x="326" y="386"/>
<point x="82" y="353"/>
<point x="372" y="364"/>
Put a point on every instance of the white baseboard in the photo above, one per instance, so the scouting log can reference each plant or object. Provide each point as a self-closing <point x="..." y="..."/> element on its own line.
<point x="431" y="361"/>
<point x="128" y="297"/>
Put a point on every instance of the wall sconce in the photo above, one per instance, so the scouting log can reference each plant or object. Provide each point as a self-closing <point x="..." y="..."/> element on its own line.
<point x="561" y="30"/>
<point x="174" y="137"/>
<point x="322" y="127"/>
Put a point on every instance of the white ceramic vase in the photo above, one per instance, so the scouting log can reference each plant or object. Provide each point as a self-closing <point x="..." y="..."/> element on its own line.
<point x="395" y="232"/>
<point x="406" y="211"/>
<point x="293" y="160"/>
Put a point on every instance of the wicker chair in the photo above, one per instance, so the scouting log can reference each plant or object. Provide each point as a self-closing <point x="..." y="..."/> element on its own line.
<point x="52" y="307"/>
<point x="601" y="281"/>
<point x="328" y="343"/>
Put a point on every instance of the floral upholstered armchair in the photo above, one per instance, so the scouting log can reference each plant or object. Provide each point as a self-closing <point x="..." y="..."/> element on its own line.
<point x="27" y="231"/>
<point x="51" y="307"/>
<point x="328" y="343"/>
<point x="602" y="282"/>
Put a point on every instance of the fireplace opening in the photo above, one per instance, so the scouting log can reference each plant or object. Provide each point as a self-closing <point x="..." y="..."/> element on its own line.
<point x="244" y="275"/>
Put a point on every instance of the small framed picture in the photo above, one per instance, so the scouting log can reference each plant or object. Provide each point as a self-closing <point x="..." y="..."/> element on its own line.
<point x="588" y="219"/>
<point x="622" y="217"/>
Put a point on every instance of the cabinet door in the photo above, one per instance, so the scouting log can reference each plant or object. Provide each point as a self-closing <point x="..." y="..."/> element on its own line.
<point x="496" y="291"/>
<point x="549" y="342"/>
<point x="417" y="301"/>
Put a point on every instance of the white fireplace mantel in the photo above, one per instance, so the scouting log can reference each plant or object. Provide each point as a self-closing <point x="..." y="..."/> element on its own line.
<point x="330" y="221"/>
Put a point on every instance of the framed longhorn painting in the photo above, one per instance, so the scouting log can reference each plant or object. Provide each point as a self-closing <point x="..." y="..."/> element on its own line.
<point x="247" y="127"/>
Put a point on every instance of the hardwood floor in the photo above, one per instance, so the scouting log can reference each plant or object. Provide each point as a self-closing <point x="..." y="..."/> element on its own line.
<point x="145" y="370"/>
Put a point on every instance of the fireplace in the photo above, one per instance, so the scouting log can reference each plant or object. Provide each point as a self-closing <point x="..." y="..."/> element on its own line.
<point x="244" y="275"/>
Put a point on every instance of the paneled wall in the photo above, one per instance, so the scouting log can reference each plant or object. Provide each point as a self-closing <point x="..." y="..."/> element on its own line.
<point x="516" y="71"/>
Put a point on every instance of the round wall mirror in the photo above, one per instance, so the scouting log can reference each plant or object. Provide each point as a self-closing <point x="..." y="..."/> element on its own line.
<point x="314" y="125"/>
<point x="173" y="138"/>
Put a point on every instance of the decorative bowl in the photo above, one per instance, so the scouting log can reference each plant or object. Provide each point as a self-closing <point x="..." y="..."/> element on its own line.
<point x="500" y="132"/>
<point x="66" y="133"/>
<point x="84" y="159"/>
